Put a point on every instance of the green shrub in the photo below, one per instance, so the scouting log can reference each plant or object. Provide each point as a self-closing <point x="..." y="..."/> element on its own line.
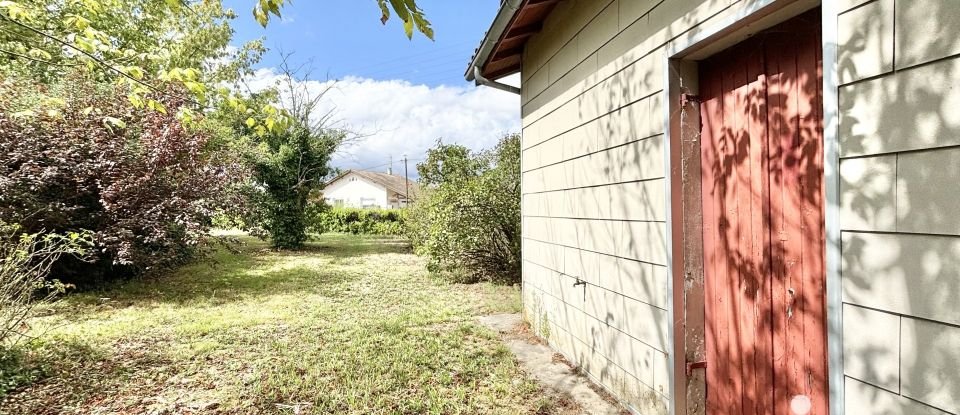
<point x="25" y="264"/>
<point x="467" y="221"/>
<point x="361" y="221"/>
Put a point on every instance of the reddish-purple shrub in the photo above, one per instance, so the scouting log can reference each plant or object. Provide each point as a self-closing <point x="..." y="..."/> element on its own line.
<point x="145" y="184"/>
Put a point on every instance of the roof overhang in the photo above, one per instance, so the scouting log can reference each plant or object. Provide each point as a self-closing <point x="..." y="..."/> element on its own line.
<point x="501" y="52"/>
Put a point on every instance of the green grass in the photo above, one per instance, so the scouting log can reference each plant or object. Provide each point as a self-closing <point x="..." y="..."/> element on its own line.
<point x="349" y="325"/>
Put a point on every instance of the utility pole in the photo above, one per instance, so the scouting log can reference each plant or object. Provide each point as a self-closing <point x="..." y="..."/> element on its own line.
<point x="406" y="179"/>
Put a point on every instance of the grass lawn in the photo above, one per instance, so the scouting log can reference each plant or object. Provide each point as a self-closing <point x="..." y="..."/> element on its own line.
<point x="349" y="325"/>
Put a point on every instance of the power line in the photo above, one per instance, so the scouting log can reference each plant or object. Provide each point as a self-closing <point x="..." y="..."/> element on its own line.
<point x="444" y="60"/>
<point x="411" y="56"/>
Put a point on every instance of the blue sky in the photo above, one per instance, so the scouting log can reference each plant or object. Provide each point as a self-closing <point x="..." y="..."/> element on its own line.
<point x="345" y="37"/>
<point x="402" y="94"/>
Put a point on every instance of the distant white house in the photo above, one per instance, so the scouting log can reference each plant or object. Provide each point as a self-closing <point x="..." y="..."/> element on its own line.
<point x="366" y="189"/>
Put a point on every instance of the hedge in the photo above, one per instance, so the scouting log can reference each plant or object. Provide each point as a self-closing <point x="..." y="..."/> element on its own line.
<point x="361" y="221"/>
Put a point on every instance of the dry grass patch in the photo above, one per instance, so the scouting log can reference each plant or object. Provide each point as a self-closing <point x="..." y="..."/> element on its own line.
<point x="349" y="325"/>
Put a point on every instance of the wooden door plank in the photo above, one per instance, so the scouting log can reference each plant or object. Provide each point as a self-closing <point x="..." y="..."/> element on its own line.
<point x="775" y="183"/>
<point x="708" y="187"/>
<point x="744" y="258"/>
<point x="811" y="171"/>
<point x="729" y="237"/>
<point x="756" y="113"/>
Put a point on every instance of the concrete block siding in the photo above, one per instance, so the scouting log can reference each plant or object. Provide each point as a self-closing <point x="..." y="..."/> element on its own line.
<point x="900" y="205"/>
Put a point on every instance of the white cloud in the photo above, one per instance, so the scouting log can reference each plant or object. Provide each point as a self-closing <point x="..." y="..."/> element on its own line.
<point x="404" y="118"/>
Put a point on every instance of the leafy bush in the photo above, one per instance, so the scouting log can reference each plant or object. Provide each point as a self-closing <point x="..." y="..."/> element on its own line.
<point x="25" y="263"/>
<point x="77" y="156"/>
<point x="468" y="219"/>
<point x="361" y="221"/>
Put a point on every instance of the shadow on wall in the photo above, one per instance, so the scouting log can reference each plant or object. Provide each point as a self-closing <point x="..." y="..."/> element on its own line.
<point x="900" y="176"/>
<point x="623" y="114"/>
<point x="889" y="184"/>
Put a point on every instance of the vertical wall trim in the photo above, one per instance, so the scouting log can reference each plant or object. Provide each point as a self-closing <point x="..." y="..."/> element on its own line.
<point x="668" y="248"/>
<point x="831" y="177"/>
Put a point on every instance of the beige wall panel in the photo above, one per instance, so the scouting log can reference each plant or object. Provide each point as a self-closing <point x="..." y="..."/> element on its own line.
<point x="564" y="61"/>
<point x="599" y="235"/>
<point x="627" y="124"/>
<point x="632" y="10"/>
<point x="909" y="110"/>
<point x="917" y="275"/>
<point x="871" y="346"/>
<point x="535" y="228"/>
<point x="545" y="254"/>
<point x="640" y="281"/>
<point x="607" y="347"/>
<point x="644" y="200"/>
<point x="928" y="192"/>
<point x="532" y="181"/>
<point x="597" y="101"/>
<point x="573" y="83"/>
<point x="591" y="96"/>
<point x="533" y="204"/>
<point x="636" y="161"/>
<point x="551" y="152"/>
<point x="638" y="320"/>
<point x="594" y="202"/>
<point x="664" y="25"/>
<point x="566" y="231"/>
<point x="627" y="387"/>
<point x="930" y="363"/>
<point x="582" y="13"/>
<point x="579" y="174"/>
<point x="630" y="354"/>
<point x="570" y="203"/>
<point x="868" y="197"/>
<point x="661" y="374"/>
<point x="656" y="114"/>
<point x="531" y="136"/>
<point x="599" y="31"/>
<point x="581" y="141"/>
<point x="625" y="42"/>
<point x="861" y="398"/>
<point x="636" y="80"/>
<point x="643" y="241"/>
<point x="866" y="41"/>
<point x="581" y="264"/>
<point x="537" y="83"/>
<point x="530" y="160"/>
<point x="926" y="30"/>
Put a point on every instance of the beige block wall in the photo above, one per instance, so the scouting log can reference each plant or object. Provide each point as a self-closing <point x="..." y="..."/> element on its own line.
<point x="900" y="205"/>
<point x="594" y="178"/>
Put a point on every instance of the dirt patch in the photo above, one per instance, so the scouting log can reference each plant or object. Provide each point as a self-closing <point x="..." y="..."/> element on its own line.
<point x="573" y="392"/>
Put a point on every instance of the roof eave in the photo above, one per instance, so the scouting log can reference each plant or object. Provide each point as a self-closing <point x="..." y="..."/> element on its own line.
<point x="508" y="11"/>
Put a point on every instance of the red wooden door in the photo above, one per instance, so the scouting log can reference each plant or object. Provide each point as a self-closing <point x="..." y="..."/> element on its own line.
<point x="763" y="223"/>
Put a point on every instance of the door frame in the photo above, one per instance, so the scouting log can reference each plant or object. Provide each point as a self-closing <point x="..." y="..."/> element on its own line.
<point x="684" y="235"/>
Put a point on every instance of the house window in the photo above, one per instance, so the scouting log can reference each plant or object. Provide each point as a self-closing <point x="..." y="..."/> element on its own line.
<point x="368" y="202"/>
